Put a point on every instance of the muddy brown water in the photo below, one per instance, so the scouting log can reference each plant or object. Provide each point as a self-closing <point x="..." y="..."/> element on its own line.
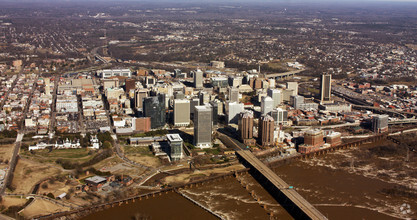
<point x="165" y="206"/>
<point x="337" y="193"/>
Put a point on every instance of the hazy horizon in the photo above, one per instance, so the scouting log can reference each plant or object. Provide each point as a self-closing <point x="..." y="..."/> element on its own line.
<point x="214" y="1"/>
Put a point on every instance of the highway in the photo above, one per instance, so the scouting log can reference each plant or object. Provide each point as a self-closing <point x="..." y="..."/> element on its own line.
<point x="96" y="55"/>
<point x="283" y="187"/>
<point x="280" y="75"/>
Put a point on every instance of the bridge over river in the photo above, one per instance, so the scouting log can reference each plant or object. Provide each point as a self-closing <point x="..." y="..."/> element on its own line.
<point x="286" y="195"/>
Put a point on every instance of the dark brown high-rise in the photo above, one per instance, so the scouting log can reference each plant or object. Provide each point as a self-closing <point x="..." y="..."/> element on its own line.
<point x="130" y="84"/>
<point x="266" y="131"/>
<point x="246" y="128"/>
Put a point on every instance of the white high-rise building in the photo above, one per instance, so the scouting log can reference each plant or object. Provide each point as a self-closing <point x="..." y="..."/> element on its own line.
<point x="267" y="105"/>
<point x="198" y="79"/>
<point x="271" y="83"/>
<point x="293" y="86"/>
<point x="235" y="81"/>
<point x="276" y="95"/>
<point x="233" y="109"/>
<point x="181" y="112"/>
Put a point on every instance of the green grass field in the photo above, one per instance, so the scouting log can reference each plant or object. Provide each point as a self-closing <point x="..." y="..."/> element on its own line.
<point x="79" y="155"/>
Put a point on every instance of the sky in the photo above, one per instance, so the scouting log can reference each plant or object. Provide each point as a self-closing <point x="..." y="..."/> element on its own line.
<point x="209" y="1"/>
<point x="330" y="2"/>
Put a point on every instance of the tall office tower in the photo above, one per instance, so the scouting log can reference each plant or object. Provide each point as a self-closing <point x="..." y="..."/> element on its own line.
<point x="175" y="144"/>
<point x="280" y="116"/>
<point x="246" y="128"/>
<point x="202" y="126"/>
<point x="326" y="88"/>
<point x="293" y="86"/>
<point x="140" y="94"/>
<point x="154" y="107"/>
<point x="130" y="84"/>
<point x="380" y="123"/>
<point x="47" y="86"/>
<point x="233" y="94"/>
<point x="271" y="83"/>
<point x="286" y="94"/>
<point x="233" y="109"/>
<point x="204" y="97"/>
<point x="266" y="130"/>
<point x="198" y="79"/>
<point x="267" y="105"/>
<point x="181" y="112"/>
<point x="296" y="101"/>
<point x="215" y="109"/>
<point x="235" y="81"/>
<point x="193" y="103"/>
<point x="276" y="95"/>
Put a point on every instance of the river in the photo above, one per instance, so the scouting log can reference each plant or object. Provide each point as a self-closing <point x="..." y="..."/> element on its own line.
<point x="337" y="193"/>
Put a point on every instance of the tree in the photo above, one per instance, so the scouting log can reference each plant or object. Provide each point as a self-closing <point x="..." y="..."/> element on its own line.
<point x="107" y="145"/>
<point x="50" y="195"/>
<point x="45" y="186"/>
<point x="24" y="146"/>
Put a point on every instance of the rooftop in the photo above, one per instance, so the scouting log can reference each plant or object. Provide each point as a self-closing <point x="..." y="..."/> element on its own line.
<point x="174" y="137"/>
<point x="96" y="179"/>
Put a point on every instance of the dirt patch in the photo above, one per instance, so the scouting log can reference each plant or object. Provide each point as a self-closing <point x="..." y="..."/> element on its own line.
<point x="145" y="160"/>
<point x="141" y="155"/>
<point x="13" y="201"/>
<point x="28" y="173"/>
<point x="56" y="189"/>
<point x="196" y="174"/>
<point x="41" y="207"/>
<point x="116" y="165"/>
<point x="6" y="152"/>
